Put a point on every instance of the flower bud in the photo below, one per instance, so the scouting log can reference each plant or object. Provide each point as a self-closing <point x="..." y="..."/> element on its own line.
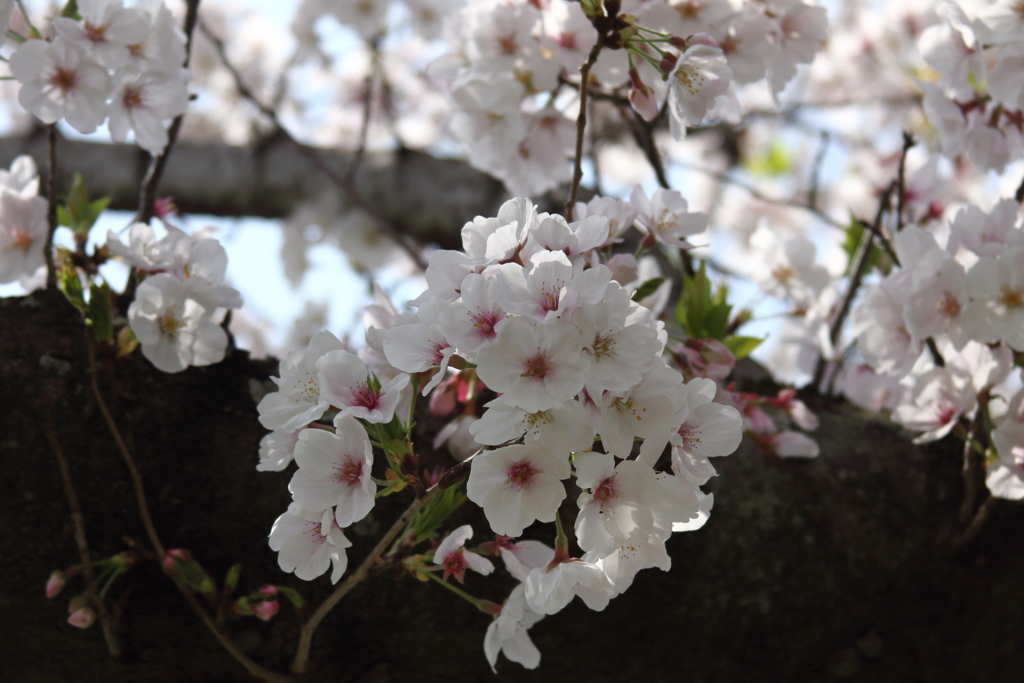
<point x="180" y="565"/>
<point x="643" y="102"/>
<point x="81" y="615"/>
<point x="55" y="584"/>
<point x="668" y="63"/>
<point x="265" y="609"/>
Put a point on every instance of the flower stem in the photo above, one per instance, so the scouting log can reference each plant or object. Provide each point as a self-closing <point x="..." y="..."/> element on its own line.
<point x="581" y="126"/>
<point x="301" y="661"/>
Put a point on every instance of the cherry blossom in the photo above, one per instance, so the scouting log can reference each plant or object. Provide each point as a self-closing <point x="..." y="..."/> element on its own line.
<point x="455" y="559"/>
<point x="309" y="542"/>
<point x="175" y="330"/>
<point x="518" y="485"/>
<point x="334" y="471"/>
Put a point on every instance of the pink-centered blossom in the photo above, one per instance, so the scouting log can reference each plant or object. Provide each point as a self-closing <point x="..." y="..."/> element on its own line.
<point x="309" y="542"/>
<point x="536" y="367"/>
<point x="453" y="556"/>
<point x="59" y="81"/>
<point x="518" y="485"/>
<point x="334" y="470"/>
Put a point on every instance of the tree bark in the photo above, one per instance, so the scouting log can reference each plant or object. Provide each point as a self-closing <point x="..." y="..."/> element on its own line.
<point x="427" y="198"/>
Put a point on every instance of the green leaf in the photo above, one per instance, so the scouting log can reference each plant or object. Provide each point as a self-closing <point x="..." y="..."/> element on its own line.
<point x="436" y="511"/>
<point x="80" y="214"/>
<point x="701" y="314"/>
<point x="126" y="342"/>
<point x="854" y="235"/>
<point x="71" y="10"/>
<point x="741" y="347"/>
<point x="292" y="595"/>
<point x="98" y="314"/>
<point x="64" y="216"/>
<point x="231" y="580"/>
<point x="717" y="321"/>
<point x="775" y="161"/>
<point x="647" y="288"/>
<point x="71" y="285"/>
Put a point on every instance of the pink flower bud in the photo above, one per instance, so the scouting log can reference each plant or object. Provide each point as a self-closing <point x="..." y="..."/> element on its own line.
<point x="81" y="615"/>
<point x="180" y="565"/>
<point x="267" y="590"/>
<point x="644" y="103"/>
<point x="55" y="584"/>
<point x="82" y="618"/>
<point x="443" y="398"/>
<point x="265" y="610"/>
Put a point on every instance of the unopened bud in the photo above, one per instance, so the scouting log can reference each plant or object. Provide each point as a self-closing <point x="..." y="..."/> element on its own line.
<point x="643" y="102"/>
<point x="80" y="614"/>
<point x="180" y="564"/>
<point x="668" y="63"/>
<point x="55" y="584"/>
<point x="264" y="610"/>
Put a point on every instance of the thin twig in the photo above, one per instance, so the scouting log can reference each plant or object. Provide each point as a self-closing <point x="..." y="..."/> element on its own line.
<point x="976" y="525"/>
<point x="364" y="124"/>
<point x="301" y="660"/>
<point x="819" y="159"/>
<point x="858" y="267"/>
<point x="147" y="195"/>
<point x="154" y="538"/>
<point x="51" y="207"/>
<point x="908" y="142"/>
<point x="581" y="125"/>
<point x="348" y="189"/>
<point x="78" y="520"/>
<point x="971" y="463"/>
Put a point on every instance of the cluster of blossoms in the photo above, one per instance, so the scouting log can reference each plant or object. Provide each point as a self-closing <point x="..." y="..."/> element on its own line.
<point x="175" y="306"/>
<point x="23" y="225"/>
<point x="511" y="59"/>
<point x="532" y="314"/>
<point x="112" y="63"/>
<point x="967" y="297"/>
<point x="977" y="101"/>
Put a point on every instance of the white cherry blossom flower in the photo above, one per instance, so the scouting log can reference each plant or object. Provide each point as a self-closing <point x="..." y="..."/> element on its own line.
<point x="59" y="81"/>
<point x="455" y="559"/>
<point x="939" y="399"/>
<point x="106" y="30"/>
<point x="145" y="103"/>
<point x="518" y="485"/>
<point x="652" y="410"/>
<point x="551" y="588"/>
<point x="700" y="75"/>
<point x="566" y="428"/>
<point x="297" y="402"/>
<point x="334" y="470"/>
<point x="616" y="503"/>
<point x="345" y="384"/>
<point x="537" y="367"/>
<point x="23" y="231"/>
<point x="175" y="331"/>
<point x="277" y="449"/>
<point x="507" y="633"/>
<point x="996" y="310"/>
<point x="308" y="542"/>
<point x="665" y="217"/>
